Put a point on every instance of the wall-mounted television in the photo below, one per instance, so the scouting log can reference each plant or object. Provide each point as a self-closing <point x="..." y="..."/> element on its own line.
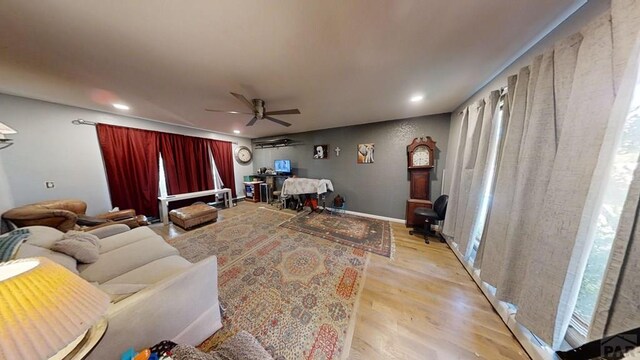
<point x="282" y="166"/>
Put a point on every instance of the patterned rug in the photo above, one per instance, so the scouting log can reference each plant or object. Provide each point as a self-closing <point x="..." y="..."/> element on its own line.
<point x="231" y="238"/>
<point x="359" y="232"/>
<point x="294" y="292"/>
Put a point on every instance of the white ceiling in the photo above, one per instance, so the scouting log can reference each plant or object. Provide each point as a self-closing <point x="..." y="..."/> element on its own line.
<point x="340" y="62"/>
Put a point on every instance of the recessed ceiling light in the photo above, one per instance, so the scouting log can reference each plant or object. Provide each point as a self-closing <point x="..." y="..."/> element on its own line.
<point x="121" y="106"/>
<point x="236" y="131"/>
<point x="232" y="112"/>
<point x="416" y="98"/>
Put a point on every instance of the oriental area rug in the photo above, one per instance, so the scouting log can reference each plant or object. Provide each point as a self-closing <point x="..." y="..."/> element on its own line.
<point x="368" y="234"/>
<point x="296" y="293"/>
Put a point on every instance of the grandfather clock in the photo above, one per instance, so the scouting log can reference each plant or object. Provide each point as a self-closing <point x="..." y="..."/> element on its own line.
<point x="420" y="161"/>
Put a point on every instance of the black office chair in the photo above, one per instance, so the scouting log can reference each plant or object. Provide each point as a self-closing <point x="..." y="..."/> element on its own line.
<point x="431" y="217"/>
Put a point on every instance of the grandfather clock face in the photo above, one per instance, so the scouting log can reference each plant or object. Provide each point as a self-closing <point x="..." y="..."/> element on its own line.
<point x="421" y="156"/>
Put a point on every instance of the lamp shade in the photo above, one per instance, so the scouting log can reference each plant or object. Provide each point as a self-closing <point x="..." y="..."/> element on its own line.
<point x="44" y="307"/>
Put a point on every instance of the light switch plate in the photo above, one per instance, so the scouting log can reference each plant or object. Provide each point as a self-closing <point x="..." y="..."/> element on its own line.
<point x="49" y="184"/>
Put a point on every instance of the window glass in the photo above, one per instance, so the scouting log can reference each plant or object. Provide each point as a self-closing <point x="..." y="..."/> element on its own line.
<point x="615" y="192"/>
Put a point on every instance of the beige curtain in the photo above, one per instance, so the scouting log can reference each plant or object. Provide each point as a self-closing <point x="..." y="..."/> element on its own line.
<point x="474" y="130"/>
<point x="537" y="237"/>
<point x="536" y="242"/>
<point x="617" y="308"/>
<point x="507" y="102"/>
<point x="618" y="303"/>
<point x="448" y="229"/>
<point x="556" y="250"/>
<point x="466" y="162"/>
<point x="535" y="162"/>
<point x="469" y="169"/>
<point x="494" y="244"/>
<point x="464" y="233"/>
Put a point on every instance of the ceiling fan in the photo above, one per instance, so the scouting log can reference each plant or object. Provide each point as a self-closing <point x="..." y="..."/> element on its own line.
<point x="258" y="110"/>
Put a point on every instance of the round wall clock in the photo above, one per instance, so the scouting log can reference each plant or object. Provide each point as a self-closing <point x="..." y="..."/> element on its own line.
<point x="243" y="155"/>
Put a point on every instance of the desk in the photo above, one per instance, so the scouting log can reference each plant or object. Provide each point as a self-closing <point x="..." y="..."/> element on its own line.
<point x="164" y="201"/>
<point x="252" y="190"/>
<point x="304" y="186"/>
<point x="299" y="186"/>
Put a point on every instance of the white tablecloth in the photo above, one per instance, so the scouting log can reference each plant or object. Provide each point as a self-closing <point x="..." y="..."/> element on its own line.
<point x="297" y="186"/>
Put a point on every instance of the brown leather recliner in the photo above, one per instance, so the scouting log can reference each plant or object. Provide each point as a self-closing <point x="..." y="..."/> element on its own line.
<point x="69" y="214"/>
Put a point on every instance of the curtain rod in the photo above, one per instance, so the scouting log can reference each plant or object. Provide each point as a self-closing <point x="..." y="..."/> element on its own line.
<point x="80" y="121"/>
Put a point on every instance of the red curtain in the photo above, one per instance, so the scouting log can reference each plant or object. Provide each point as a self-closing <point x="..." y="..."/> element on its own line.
<point x="131" y="161"/>
<point x="186" y="161"/>
<point x="223" y="156"/>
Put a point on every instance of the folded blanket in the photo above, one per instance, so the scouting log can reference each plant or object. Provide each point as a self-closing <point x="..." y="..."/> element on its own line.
<point x="10" y="242"/>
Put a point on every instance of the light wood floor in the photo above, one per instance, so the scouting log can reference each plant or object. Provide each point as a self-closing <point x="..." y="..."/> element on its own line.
<point x="421" y="305"/>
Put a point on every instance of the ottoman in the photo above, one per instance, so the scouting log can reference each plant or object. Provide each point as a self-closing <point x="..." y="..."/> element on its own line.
<point x="192" y="215"/>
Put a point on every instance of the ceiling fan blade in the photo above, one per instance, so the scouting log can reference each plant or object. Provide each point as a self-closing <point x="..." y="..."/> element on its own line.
<point x="244" y="100"/>
<point x="253" y="121"/>
<point x="283" y="112"/>
<point x="230" y="112"/>
<point x="283" y="123"/>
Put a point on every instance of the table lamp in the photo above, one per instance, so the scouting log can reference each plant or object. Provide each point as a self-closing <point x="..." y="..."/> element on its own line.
<point x="43" y="308"/>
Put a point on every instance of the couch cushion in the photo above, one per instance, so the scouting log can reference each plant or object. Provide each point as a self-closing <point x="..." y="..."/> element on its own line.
<point x="43" y="236"/>
<point x="126" y="258"/>
<point x="135" y="280"/>
<point x="153" y="272"/>
<point x="128" y="237"/>
<point x="28" y="250"/>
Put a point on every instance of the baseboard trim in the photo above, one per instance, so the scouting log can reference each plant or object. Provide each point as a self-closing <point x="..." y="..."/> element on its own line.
<point x="531" y="346"/>
<point x="371" y="216"/>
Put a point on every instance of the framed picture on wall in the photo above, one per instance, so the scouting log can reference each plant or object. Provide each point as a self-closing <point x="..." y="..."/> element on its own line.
<point x="365" y="153"/>
<point x="320" y="151"/>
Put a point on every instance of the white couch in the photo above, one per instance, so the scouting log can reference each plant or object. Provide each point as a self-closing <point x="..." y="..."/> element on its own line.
<point x="156" y="294"/>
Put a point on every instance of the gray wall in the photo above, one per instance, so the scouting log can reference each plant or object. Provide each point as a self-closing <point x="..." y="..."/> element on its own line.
<point x="381" y="188"/>
<point x="570" y="26"/>
<point x="6" y="199"/>
<point x="48" y="147"/>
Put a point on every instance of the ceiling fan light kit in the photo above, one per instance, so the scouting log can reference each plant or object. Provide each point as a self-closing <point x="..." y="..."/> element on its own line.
<point x="258" y="110"/>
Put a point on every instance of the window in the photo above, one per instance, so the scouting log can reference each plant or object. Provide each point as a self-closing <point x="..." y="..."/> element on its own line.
<point x="162" y="181"/>
<point x="615" y="192"/>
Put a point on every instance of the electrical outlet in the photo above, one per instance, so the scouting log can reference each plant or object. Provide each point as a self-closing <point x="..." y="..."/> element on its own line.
<point x="49" y="184"/>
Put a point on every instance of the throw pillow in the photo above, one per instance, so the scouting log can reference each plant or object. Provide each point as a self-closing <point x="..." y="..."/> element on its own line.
<point x="82" y="246"/>
<point x="188" y="352"/>
<point x="242" y="346"/>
